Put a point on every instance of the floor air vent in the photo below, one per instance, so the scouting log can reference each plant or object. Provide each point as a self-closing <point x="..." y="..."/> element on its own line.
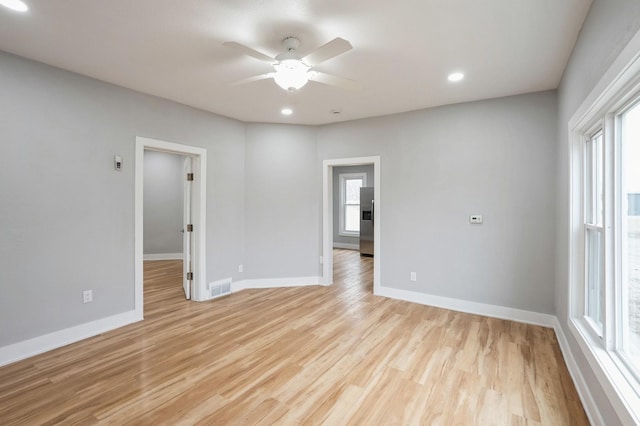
<point x="220" y="288"/>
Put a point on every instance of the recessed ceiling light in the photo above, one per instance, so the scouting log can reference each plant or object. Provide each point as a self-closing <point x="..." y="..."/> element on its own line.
<point x="456" y="76"/>
<point x="17" y="5"/>
<point x="286" y="111"/>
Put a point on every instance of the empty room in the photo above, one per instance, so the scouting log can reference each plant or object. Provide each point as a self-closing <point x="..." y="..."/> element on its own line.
<point x="320" y="212"/>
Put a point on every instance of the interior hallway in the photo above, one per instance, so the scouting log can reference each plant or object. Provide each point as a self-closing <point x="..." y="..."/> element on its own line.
<point x="334" y="355"/>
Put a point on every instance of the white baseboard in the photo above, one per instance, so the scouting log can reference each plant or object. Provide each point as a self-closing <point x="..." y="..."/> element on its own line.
<point x="347" y="246"/>
<point x="163" y="256"/>
<point x="589" y="404"/>
<point x="37" y="345"/>
<point x="483" y="309"/>
<point x="275" y="283"/>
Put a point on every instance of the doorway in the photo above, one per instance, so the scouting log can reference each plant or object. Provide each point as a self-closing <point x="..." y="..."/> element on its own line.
<point x="167" y="215"/>
<point x="194" y="208"/>
<point x="328" y="225"/>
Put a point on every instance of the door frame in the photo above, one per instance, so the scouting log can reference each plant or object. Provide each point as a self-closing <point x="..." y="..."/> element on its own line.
<point x="187" y="219"/>
<point x="327" y="216"/>
<point x="199" y="206"/>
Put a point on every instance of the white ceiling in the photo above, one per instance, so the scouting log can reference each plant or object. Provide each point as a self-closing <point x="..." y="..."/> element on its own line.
<point x="402" y="50"/>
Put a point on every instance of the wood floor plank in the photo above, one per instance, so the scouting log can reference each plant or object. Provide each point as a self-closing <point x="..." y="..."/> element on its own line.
<point x="301" y="355"/>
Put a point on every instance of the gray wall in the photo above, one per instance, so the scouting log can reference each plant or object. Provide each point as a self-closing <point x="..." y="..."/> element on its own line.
<point x="71" y="227"/>
<point x="67" y="222"/>
<point x="440" y="165"/>
<point x="282" y="213"/>
<point x="337" y="171"/>
<point x="609" y="26"/>
<point x="163" y="202"/>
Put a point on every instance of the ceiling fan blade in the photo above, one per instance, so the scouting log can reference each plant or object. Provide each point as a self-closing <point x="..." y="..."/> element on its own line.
<point x="254" y="78"/>
<point x="249" y="51"/>
<point x="325" y="52"/>
<point x="334" y="80"/>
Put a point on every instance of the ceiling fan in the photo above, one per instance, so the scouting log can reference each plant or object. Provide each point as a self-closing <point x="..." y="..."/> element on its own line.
<point x="291" y="72"/>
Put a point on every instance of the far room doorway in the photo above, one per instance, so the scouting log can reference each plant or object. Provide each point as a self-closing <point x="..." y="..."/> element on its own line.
<point x="351" y="221"/>
<point x="170" y="195"/>
<point x="167" y="209"/>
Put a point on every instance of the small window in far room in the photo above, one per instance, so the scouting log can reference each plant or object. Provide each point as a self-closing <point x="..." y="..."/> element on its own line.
<point x="350" y="184"/>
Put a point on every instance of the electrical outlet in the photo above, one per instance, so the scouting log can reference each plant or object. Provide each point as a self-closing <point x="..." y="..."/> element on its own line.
<point x="241" y="268"/>
<point x="87" y="296"/>
<point x="413" y="276"/>
<point x="475" y="219"/>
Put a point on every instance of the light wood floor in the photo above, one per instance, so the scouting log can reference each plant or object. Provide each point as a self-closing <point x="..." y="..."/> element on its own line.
<point x="333" y="355"/>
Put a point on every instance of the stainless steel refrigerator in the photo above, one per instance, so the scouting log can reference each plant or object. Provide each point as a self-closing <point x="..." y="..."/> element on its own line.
<point x="367" y="214"/>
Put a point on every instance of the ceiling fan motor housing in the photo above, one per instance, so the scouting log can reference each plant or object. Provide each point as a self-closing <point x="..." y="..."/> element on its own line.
<point x="291" y="43"/>
<point x="293" y="72"/>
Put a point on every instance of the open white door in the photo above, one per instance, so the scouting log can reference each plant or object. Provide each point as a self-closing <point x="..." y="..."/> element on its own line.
<point x="187" y="236"/>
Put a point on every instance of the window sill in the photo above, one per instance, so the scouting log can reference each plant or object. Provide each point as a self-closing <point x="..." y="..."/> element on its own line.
<point x="349" y="234"/>
<point x="614" y="377"/>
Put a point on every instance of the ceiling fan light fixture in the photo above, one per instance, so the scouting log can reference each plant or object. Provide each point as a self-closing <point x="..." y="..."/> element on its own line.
<point x="291" y="74"/>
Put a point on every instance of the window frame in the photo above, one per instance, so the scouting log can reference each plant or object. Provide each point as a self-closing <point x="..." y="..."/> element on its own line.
<point x="596" y="225"/>
<point x="343" y="178"/>
<point x="616" y="93"/>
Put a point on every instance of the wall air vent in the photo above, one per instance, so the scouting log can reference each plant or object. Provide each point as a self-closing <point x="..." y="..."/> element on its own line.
<point x="220" y="288"/>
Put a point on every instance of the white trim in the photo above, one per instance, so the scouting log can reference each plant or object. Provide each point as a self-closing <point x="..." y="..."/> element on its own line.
<point x="163" y="256"/>
<point x="586" y="397"/>
<point x="275" y="283"/>
<point x="327" y="216"/>
<point x="347" y="233"/>
<point x="616" y="387"/>
<point x="614" y="89"/>
<point x="347" y="246"/>
<point x="188" y="264"/>
<point x="199" y="214"/>
<point x="469" y="307"/>
<point x="611" y="81"/>
<point x="37" y="345"/>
